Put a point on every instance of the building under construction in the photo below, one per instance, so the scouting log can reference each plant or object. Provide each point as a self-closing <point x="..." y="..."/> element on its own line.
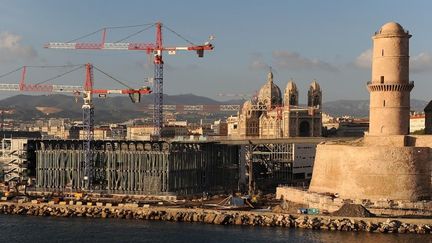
<point x="136" y="167"/>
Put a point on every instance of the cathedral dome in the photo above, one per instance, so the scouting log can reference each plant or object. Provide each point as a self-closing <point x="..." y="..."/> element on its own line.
<point x="392" y="28"/>
<point x="270" y="94"/>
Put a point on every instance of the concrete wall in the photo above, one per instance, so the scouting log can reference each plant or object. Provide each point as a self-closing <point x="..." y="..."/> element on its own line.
<point x="331" y="204"/>
<point x="304" y="156"/>
<point x="373" y="172"/>
<point x="420" y="140"/>
<point x="392" y="140"/>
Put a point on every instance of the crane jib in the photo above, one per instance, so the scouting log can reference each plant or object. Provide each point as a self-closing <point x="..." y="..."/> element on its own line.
<point x="124" y="46"/>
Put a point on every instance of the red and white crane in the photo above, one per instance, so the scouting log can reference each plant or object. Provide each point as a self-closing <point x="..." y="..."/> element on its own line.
<point x="22" y="86"/>
<point x="87" y="91"/>
<point x="156" y="49"/>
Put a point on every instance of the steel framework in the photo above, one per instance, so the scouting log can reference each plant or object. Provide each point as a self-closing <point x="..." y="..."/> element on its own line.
<point x="136" y="167"/>
<point x="158" y="98"/>
<point x="267" y="165"/>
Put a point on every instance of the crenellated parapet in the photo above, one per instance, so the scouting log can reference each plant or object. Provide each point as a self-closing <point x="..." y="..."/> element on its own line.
<point x="390" y="87"/>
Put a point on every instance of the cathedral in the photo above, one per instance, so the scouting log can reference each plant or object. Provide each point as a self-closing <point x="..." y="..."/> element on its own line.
<point x="273" y="115"/>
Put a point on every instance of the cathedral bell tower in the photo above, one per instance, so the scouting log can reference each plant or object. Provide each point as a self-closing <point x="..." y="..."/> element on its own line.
<point x="291" y="94"/>
<point x="390" y="86"/>
<point x="314" y="95"/>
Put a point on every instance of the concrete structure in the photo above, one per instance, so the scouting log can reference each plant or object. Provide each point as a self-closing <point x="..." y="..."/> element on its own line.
<point x="220" y="128"/>
<point x="100" y="133"/>
<point x="386" y="163"/>
<point x="140" y="132"/>
<point x="303" y="160"/>
<point x="232" y="126"/>
<point x="275" y="115"/>
<point x="137" y="167"/>
<point x="51" y="128"/>
<point x="144" y="132"/>
<point x="345" y="127"/>
<point x="272" y="163"/>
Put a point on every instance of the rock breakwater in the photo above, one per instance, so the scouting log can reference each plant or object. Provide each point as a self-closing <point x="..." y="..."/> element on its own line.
<point x="218" y="217"/>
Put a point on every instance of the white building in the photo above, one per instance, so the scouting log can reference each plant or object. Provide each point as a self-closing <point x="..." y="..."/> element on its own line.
<point x="417" y="122"/>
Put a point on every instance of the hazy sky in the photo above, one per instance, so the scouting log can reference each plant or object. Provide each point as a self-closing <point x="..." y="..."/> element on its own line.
<point x="304" y="40"/>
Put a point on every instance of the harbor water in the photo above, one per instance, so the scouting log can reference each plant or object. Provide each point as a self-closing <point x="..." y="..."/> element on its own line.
<point x="15" y="228"/>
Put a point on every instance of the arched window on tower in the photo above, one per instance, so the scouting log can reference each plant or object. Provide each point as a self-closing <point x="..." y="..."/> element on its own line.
<point x="292" y="100"/>
<point x="316" y="100"/>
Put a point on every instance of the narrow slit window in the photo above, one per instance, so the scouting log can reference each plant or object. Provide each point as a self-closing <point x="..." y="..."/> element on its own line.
<point x="382" y="79"/>
<point x="384" y="103"/>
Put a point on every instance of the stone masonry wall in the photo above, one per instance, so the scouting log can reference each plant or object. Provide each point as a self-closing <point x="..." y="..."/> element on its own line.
<point x="373" y="172"/>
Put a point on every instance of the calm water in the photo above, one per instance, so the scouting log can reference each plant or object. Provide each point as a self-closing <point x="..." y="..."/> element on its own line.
<point x="15" y="228"/>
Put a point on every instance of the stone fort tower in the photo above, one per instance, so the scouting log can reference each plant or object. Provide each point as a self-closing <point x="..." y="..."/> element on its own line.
<point x="390" y="86"/>
<point x="387" y="163"/>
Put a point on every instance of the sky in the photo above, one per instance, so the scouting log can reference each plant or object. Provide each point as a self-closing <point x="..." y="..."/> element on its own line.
<point x="329" y="41"/>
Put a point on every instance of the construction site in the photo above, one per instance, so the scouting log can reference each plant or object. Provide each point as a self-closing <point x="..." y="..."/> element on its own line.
<point x="273" y="118"/>
<point x="239" y="162"/>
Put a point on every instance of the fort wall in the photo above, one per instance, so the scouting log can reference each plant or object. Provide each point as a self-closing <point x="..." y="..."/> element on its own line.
<point x="373" y="172"/>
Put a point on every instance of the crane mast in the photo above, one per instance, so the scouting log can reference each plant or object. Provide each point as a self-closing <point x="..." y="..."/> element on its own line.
<point x="88" y="127"/>
<point x="158" y="83"/>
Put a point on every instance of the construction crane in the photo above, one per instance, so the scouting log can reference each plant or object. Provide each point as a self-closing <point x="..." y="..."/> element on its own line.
<point x="87" y="91"/>
<point x="156" y="49"/>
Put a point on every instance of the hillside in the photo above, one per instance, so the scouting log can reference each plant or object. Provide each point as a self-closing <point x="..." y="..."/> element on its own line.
<point x="114" y="109"/>
<point x="120" y="108"/>
<point x="360" y="108"/>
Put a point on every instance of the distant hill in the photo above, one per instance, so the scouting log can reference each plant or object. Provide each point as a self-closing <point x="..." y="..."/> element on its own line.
<point x="120" y="108"/>
<point x="360" y="108"/>
<point x="114" y="109"/>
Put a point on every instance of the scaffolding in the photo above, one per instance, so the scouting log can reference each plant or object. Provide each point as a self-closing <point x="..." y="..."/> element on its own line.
<point x="137" y="167"/>
<point x="267" y="165"/>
